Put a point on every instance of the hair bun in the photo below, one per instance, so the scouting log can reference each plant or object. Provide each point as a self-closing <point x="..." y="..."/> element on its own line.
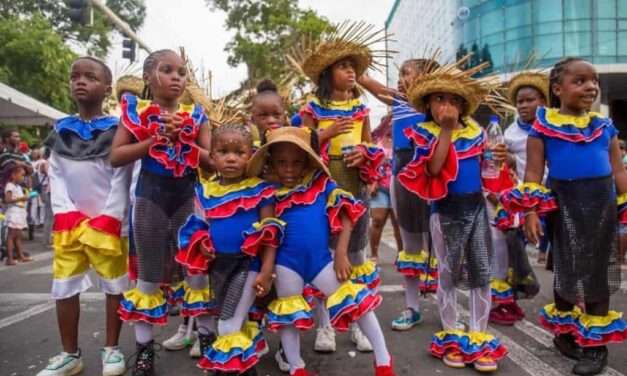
<point x="266" y="85"/>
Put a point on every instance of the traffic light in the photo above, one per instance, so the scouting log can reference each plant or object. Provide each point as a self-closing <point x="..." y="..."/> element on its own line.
<point x="78" y="11"/>
<point x="128" y="49"/>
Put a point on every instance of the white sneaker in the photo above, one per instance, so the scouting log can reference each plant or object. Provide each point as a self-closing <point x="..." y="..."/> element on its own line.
<point x="64" y="364"/>
<point x="113" y="363"/>
<point x="194" y="352"/>
<point x="179" y="340"/>
<point x="281" y="361"/>
<point x="325" y="340"/>
<point x="360" y="340"/>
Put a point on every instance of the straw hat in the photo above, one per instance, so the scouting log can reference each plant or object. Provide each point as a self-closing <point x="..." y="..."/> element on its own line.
<point x="129" y="84"/>
<point x="452" y="79"/>
<point x="310" y="57"/>
<point x="300" y="137"/>
<point x="534" y="79"/>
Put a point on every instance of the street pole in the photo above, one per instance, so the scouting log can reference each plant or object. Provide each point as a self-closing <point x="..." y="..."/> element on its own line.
<point x="120" y="24"/>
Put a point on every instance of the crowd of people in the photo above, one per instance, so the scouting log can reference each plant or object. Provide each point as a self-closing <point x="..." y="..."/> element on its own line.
<point x="260" y="227"/>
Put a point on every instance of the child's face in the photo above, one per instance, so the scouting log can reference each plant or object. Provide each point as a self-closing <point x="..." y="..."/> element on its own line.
<point x="18" y="176"/>
<point x="88" y="82"/>
<point x="406" y="75"/>
<point x="527" y="101"/>
<point x="579" y="86"/>
<point x="289" y="162"/>
<point x="441" y="103"/>
<point x="167" y="80"/>
<point x="268" y="112"/>
<point x="230" y="154"/>
<point x="343" y="76"/>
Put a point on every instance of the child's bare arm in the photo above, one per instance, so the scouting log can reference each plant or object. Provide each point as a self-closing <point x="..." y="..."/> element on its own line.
<point x="533" y="174"/>
<point x="341" y="263"/>
<point x="618" y="169"/>
<point x="264" y="279"/>
<point x="204" y="141"/>
<point x="8" y="198"/>
<point x="124" y="150"/>
<point x="380" y="91"/>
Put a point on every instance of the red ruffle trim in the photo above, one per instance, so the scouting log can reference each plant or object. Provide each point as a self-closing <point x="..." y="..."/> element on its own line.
<point x="269" y="235"/>
<point x="501" y="183"/>
<point x="342" y="320"/>
<point x="235" y="364"/>
<point x="416" y="179"/>
<point x="191" y="257"/>
<point x="353" y="209"/>
<point x="307" y="197"/>
<point x="369" y="170"/>
<point x="106" y="224"/>
<point x="246" y="203"/>
<point x="300" y="324"/>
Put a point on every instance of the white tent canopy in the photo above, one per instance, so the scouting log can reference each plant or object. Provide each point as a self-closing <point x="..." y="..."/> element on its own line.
<point x="17" y="108"/>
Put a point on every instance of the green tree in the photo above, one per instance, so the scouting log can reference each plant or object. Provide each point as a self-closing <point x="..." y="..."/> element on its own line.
<point x="96" y="38"/>
<point x="264" y="30"/>
<point x="34" y="60"/>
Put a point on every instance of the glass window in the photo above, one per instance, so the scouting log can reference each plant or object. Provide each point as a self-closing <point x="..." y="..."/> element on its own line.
<point x="492" y="39"/>
<point x="576" y="9"/>
<point x="622" y="43"/>
<point x="496" y="52"/>
<point x="579" y="25"/>
<point x="550" y="46"/>
<point x="622" y="25"/>
<point x="518" y="33"/>
<point x="622" y="9"/>
<point x="606" y="45"/>
<point x="603" y="59"/>
<point x="606" y="8"/>
<point x="471" y="30"/>
<point x="606" y="25"/>
<point x="471" y="3"/>
<point x="516" y="52"/>
<point x="578" y="44"/>
<point x="545" y="11"/>
<point x="549" y="28"/>
<point x="492" y="22"/>
<point x="518" y="15"/>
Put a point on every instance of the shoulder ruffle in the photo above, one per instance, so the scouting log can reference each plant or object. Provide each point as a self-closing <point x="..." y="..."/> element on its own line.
<point x="340" y="201"/>
<point x="193" y="235"/>
<point x="142" y="119"/>
<point x="304" y="194"/>
<point x="219" y="201"/>
<point x="550" y="123"/>
<point x="267" y="233"/>
<point x="621" y="201"/>
<point x="369" y="171"/>
<point x="86" y="130"/>
<point x="353" y="108"/>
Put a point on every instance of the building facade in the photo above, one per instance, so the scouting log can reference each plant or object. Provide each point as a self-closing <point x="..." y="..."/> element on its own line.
<point x="505" y="32"/>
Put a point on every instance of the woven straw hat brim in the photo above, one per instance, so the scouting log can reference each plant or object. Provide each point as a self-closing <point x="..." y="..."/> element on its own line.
<point x="131" y="84"/>
<point x="258" y="160"/>
<point x="472" y="94"/>
<point x="330" y="53"/>
<point x="535" y="80"/>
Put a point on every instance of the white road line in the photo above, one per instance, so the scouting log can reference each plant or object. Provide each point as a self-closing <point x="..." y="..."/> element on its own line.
<point x="19" y="297"/>
<point x="38" y="257"/>
<point x="43" y="270"/>
<point x="24" y="315"/>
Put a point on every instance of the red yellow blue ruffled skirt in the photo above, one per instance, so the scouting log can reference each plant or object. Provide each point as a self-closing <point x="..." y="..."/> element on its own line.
<point x="148" y="308"/>
<point x="502" y="292"/>
<point x="471" y="345"/>
<point x="289" y="311"/>
<point x="349" y="303"/>
<point x="235" y="352"/>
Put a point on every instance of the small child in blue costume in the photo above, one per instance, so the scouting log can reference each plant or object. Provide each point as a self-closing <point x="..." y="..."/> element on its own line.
<point x="313" y="209"/>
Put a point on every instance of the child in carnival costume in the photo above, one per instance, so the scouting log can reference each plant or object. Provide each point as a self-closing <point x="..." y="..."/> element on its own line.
<point x="446" y="170"/>
<point x="585" y="198"/>
<point x="341" y="119"/>
<point x="314" y="208"/>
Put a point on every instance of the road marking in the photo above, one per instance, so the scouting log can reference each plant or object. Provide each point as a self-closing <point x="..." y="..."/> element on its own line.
<point x="43" y="270"/>
<point x="20" y="297"/>
<point x="24" y="315"/>
<point x="38" y="257"/>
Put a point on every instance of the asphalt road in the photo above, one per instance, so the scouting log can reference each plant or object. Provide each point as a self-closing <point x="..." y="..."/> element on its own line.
<point x="29" y="336"/>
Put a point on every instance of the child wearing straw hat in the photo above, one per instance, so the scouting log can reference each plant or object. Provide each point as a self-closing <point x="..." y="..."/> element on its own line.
<point x="446" y="170"/>
<point x="314" y="208"/>
<point x="341" y="120"/>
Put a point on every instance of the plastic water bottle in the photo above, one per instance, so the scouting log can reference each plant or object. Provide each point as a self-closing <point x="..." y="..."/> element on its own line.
<point x="490" y="169"/>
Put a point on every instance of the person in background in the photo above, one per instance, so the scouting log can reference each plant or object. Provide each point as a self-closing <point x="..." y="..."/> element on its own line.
<point x="380" y="204"/>
<point x="15" y="198"/>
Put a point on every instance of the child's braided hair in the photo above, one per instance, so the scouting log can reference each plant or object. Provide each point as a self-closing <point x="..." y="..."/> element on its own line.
<point x="235" y="128"/>
<point x="150" y="64"/>
<point x="555" y="77"/>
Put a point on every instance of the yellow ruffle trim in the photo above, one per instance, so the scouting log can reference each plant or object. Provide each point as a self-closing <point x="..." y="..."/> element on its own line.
<point x="552" y="311"/>
<point x="419" y="258"/>
<point x="621" y="199"/>
<point x="212" y="188"/>
<point x="590" y="321"/>
<point x="475" y="338"/>
<point x="347" y="288"/>
<point x="237" y="340"/>
<point x="471" y="131"/>
<point x="365" y="269"/>
<point x="196" y="296"/>
<point x="500" y="285"/>
<point x="289" y="305"/>
<point x="142" y="301"/>
<point x="554" y="117"/>
<point x="106" y="244"/>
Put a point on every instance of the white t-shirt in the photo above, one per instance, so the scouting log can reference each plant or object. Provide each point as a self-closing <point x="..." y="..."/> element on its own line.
<point x="516" y="141"/>
<point x="16" y="192"/>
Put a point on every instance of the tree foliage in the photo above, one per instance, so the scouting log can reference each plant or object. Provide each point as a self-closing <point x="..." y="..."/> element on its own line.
<point x="34" y="60"/>
<point x="96" y="38"/>
<point x="264" y="30"/>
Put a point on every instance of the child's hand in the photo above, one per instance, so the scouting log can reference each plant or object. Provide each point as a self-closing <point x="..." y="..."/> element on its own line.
<point x="447" y="116"/>
<point x="172" y="124"/>
<point x="263" y="283"/>
<point x="342" y="125"/>
<point x="499" y="153"/>
<point x="354" y="159"/>
<point x="533" y="228"/>
<point x="342" y="268"/>
<point x="208" y="253"/>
